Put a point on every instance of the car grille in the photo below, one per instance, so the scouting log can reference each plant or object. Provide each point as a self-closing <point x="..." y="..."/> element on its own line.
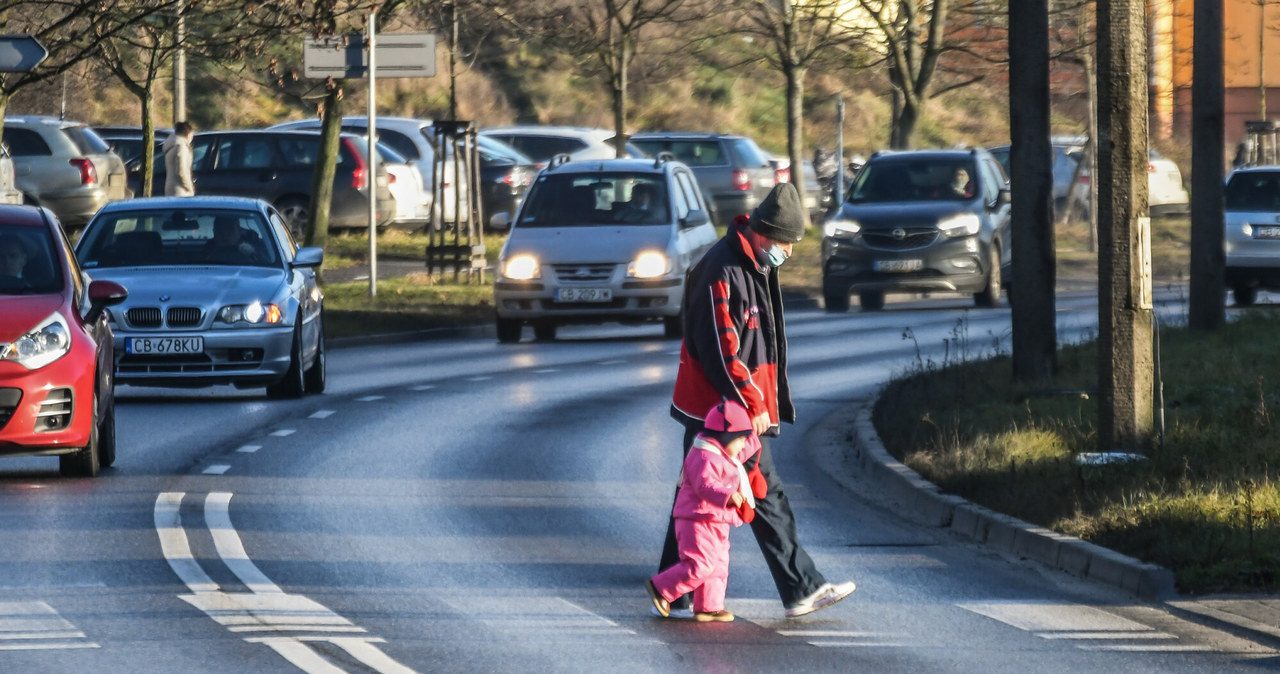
<point x="184" y="317"/>
<point x="176" y="317"/>
<point x="913" y="237"/>
<point x="9" y="399"/>
<point x="55" y="411"/>
<point x="585" y="273"/>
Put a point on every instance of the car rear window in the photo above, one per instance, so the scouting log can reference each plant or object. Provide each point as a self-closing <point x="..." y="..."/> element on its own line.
<point x="28" y="265"/>
<point x="175" y="237"/>
<point x="85" y="140"/>
<point x="694" y="153"/>
<point x="1254" y="191"/>
<point x="25" y="143"/>
<point x="569" y="200"/>
<point x="748" y="154"/>
<point x="897" y="180"/>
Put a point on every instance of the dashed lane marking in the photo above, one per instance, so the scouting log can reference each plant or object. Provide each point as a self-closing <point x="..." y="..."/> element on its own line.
<point x="248" y="449"/>
<point x="283" y="432"/>
<point x="322" y="414"/>
<point x="217" y="469"/>
<point x="422" y="387"/>
<point x="370" y="399"/>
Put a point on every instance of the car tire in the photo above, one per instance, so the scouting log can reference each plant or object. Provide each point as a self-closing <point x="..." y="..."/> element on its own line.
<point x="314" y="379"/>
<point x="835" y="299"/>
<point x="1244" y="295"/>
<point x="673" y="326"/>
<point x="871" y="300"/>
<point x="990" y="296"/>
<point x="508" y="330"/>
<point x="107" y="439"/>
<point x="293" y="385"/>
<point x="544" y="331"/>
<point x="84" y="463"/>
<point x="296" y="212"/>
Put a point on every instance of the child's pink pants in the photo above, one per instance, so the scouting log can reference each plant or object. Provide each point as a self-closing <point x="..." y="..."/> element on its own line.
<point x="703" y="567"/>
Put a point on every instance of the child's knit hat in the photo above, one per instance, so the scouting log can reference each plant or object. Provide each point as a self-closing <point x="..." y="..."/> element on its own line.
<point x="727" y="421"/>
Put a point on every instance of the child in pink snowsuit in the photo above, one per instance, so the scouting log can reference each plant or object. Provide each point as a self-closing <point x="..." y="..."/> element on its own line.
<point x="715" y="493"/>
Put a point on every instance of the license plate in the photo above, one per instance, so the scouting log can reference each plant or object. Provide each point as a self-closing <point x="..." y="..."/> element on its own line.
<point x="898" y="265"/>
<point x="164" y="345"/>
<point x="1266" y="232"/>
<point x="584" y="294"/>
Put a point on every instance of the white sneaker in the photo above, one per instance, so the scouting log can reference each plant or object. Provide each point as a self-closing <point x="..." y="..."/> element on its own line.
<point x="821" y="598"/>
<point x="676" y="613"/>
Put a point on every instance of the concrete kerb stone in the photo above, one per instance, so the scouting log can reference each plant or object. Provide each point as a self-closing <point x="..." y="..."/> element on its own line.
<point x="924" y="502"/>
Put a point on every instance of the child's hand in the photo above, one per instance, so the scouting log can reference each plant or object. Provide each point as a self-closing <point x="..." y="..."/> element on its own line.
<point x="736" y="498"/>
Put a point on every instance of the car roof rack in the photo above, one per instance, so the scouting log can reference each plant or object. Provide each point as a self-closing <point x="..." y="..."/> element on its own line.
<point x="559" y="160"/>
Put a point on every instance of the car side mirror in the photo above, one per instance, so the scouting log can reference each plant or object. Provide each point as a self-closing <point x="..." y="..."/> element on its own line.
<point x="500" y="220"/>
<point x="695" y="218"/>
<point x="310" y="256"/>
<point x="103" y="294"/>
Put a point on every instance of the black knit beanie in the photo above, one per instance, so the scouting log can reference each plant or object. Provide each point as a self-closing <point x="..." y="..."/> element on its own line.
<point x="780" y="216"/>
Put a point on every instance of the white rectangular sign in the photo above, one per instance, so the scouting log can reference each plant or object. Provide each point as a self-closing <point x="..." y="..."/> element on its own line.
<point x="399" y="55"/>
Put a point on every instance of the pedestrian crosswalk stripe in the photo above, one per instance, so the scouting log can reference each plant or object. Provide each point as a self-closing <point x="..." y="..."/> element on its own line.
<point x="35" y="625"/>
<point x="1055" y="620"/>
<point x="551" y="619"/>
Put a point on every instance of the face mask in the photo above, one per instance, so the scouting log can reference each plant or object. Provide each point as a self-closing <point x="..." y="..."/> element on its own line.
<point x="775" y="256"/>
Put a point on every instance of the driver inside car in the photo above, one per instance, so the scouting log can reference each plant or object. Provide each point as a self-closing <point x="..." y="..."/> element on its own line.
<point x="13" y="256"/>
<point x="229" y="244"/>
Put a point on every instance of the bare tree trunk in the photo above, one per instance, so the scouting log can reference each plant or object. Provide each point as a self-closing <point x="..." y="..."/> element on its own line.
<point x="795" y="129"/>
<point x="148" y="137"/>
<point x="1035" y="335"/>
<point x="327" y="167"/>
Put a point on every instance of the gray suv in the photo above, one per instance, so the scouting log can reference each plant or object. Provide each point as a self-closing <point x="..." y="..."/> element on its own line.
<point x="735" y="174"/>
<point x="919" y="221"/>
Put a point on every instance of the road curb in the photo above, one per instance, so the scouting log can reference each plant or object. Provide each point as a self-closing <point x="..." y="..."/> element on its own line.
<point x="925" y="503"/>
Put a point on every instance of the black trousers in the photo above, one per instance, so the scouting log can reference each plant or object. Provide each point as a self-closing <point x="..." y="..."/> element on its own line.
<point x="774" y="528"/>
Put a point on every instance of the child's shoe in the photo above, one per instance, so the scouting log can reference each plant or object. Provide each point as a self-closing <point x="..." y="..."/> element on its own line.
<point x="662" y="606"/>
<point x="721" y="616"/>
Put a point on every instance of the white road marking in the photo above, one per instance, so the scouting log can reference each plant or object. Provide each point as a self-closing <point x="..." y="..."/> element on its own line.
<point x="283" y="432"/>
<point x="265" y="608"/>
<point x="546" y="370"/>
<point x="543" y="619"/>
<point x="248" y="449"/>
<point x="322" y="414"/>
<point x="217" y="469"/>
<point x="35" y="625"/>
<point x="480" y="378"/>
<point x="370" y="399"/>
<point x="1061" y="620"/>
<point x="611" y="362"/>
<point x="422" y="387"/>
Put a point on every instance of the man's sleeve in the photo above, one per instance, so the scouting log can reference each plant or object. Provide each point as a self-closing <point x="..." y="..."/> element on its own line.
<point x="718" y="341"/>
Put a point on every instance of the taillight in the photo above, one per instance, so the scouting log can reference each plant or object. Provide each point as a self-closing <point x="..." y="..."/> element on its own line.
<point x="741" y="180"/>
<point x="782" y="175"/>
<point x="359" y="176"/>
<point x="1084" y="179"/>
<point x="1151" y="168"/>
<point x="88" y="172"/>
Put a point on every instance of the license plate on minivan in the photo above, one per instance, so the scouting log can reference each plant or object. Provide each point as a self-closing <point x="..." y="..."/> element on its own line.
<point x="898" y="265"/>
<point x="584" y="294"/>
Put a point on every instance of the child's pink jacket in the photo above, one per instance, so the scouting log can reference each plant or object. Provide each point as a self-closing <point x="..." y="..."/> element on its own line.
<point x="709" y="480"/>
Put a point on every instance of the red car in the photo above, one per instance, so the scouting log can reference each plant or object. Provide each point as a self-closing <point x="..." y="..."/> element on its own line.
<point x="57" y="372"/>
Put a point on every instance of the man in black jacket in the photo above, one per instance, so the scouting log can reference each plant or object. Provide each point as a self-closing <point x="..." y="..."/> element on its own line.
<point x="735" y="348"/>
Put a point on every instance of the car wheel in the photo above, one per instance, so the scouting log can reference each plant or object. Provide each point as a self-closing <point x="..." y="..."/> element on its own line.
<point x="84" y="463"/>
<point x="871" y="301"/>
<point x="107" y="438"/>
<point x="296" y="213"/>
<point x="314" y="380"/>
<point x="673" y="326"/>
<point x="835" y="299"/>
<point x="544" y="331"/>
<point x="990" y="295"/>
<point x="509" y="330"/>
<point x="1244" y="295"/>
<point x="294" y="384"/>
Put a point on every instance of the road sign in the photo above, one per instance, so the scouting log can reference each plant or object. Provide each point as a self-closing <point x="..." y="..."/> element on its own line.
<point x="20" y="53"/>
<point x="399" y="55"/>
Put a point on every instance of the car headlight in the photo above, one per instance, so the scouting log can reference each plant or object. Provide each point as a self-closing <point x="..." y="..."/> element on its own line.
<point x="838" y="229"/>
<point x="49" y="341"/>
<point x="961" y="224"/>
<point x="254" y="313"/>
<point x="649" y="264"/>
<point x="522" y="268"/>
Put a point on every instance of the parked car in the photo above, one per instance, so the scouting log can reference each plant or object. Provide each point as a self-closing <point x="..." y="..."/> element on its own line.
<point x="126" y="141"/>
<point x="1251" y="240"/>
<point x="919" y="221"/>
<point x="505" y="176"/>
<point x="221" y="294"/>
<point x="541" y="143"/>
<point x="278" y="167"/>
<point x="735" y="174"/>
<point x="64" y="166"/>
<point x="1065" y="158"/>
<point x="598" y="241"/>
<point x="413" y="205"/>
<point x="9" y="193"/>
<point x="57" y="389"/>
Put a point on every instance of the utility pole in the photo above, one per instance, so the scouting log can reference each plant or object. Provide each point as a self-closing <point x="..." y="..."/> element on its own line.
<point x="180" y="63"/>
<point x="1126" y="362"/>
<point x="1035" y="332"/>
<point x="1208" y="284"/>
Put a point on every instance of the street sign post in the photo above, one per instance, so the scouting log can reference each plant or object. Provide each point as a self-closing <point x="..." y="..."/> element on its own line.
<point x="20" y="53"/>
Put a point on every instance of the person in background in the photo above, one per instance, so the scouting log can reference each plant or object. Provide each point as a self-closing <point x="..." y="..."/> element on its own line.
<point x="177" y="161"/>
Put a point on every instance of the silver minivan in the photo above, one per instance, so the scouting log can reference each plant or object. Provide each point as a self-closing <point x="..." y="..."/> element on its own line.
<point x="601" y="241"/>
<point x="1251" y="241"/>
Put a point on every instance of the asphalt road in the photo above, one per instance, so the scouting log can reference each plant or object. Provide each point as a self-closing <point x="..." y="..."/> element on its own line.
<point x="457" y="505"/>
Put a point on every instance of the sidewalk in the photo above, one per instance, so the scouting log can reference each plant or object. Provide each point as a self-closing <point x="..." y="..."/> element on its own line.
<point x="846" y="445"/>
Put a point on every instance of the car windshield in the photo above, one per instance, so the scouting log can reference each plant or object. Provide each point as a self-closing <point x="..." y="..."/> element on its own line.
<point x="177" y="237"/>
<point x="1254" y="191"/>
<point x="914" y="180"/>
<point x="569" y="200"/>
<point x="28" y="265"/>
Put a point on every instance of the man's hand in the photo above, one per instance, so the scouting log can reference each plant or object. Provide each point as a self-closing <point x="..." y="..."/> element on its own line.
<point x="760" y="423"/>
